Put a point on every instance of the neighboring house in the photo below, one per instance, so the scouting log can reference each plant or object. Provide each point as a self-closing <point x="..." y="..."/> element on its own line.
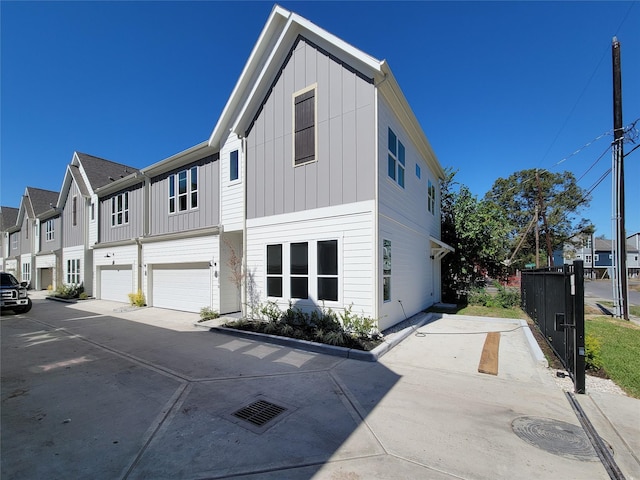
<point x="48" y="251"/>
<point x="327" y="178"/>
<point x="24" y="237"/>
<point x="597" y="255"/>
<point x="78" y="206"/>
<point x="8" y="220"/>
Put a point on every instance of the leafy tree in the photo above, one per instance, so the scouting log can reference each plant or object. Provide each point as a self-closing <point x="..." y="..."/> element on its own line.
<point x="475" y="228"/>
<point x="558" y="199"/>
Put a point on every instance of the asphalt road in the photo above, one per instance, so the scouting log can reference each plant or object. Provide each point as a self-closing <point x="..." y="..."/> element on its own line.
<point x="603" y="289"/>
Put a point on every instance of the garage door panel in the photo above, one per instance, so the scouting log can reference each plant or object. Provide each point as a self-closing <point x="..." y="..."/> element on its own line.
<point x="116" y="283"/>
<point x="185" y="287"/>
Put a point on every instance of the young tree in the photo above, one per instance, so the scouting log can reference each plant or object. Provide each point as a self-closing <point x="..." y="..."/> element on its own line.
<point x="477" y="231"/>
<point x="556" y="197"/>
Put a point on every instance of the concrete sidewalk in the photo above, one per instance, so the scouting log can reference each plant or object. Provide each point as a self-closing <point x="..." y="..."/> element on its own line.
<point x="156" y="397"/>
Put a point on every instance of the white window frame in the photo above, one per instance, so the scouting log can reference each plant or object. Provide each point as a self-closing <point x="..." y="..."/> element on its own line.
<point x="235" y="179"/>
<point x="26" y="272"/>
<point x="314" y="87"/>
<point x="14" y="241"/>
<point x="397" y="159"/>
<point x="49" y="228"/>
<point x="431" y="197"/>
<point x="120" y="209"/>
<point x="386" y="269"/>
<point x="190" y="194"/>
<point x="73" y="271"/>
<point x="275" y="275"/>
<point x="74" y="211"/>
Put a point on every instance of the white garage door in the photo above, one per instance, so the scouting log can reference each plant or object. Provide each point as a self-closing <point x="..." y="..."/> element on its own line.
<point x="184" y="287"/>
<point x="116" y="283"/>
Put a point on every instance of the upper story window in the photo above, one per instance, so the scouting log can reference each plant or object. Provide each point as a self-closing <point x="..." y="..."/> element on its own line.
<point x="396" y="159"/>
<point x="74" y="211"/>
<point x="183" y="190"/>
<point x="431" y="195"/>
<point x="26" y="230"/>
<point x="93" y="211"/>
<point x="304" y="126"/>
<point x="418" y="171"/>
<point x="120" y="209"/>
<point x="14" y="241"/>
<point x="49" y="230"/>
<point x="589" y="242"/>
<point x="233" y="166"/>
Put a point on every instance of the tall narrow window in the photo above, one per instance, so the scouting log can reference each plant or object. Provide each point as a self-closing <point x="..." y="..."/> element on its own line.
<point x="395" y="159"/>
<point x="274" y="270"/>
<point x="172" y="193"/>
<point x="49" y="230"/>
<point x="299" y="270"/>
<point x="431" y="194"/>
<point x="73" y="271"/>
<point x="304" y="126"/>
<point x="93" y="211"/>
<point x="386" y="270"/>
<point x="182" y="190"/>
<point x="120" y="209"/>
<point x="328" y="270"/>
<point x="26" y="272"/>
<point x="74" y="211"/>
<point x="194" y="186"/>
<point x="233" y="166"/>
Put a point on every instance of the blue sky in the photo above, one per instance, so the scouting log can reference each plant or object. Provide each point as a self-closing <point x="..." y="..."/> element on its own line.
<point x="497" y="86"/>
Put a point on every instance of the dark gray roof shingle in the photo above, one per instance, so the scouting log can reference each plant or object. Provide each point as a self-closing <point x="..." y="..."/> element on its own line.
<point x="41" y="200"/>
<point x="101" y="172"/>
<point x="8" y="218"/>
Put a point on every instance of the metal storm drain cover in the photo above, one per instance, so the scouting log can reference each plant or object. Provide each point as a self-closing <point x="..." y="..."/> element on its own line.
<point x="554" y="436"/>
<point x="259" y="413"/>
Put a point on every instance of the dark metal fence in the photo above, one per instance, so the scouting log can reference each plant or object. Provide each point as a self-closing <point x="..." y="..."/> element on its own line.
<point x="554" y="299"/>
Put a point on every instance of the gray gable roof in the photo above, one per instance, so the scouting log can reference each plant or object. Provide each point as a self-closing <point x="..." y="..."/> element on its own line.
<point x="41" y="200"/>
<point x="101" y="172"/>
<point x="8" y="218"/>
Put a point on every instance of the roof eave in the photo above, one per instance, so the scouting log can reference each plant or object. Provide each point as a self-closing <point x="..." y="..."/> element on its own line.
<point x="391" y="91"/>
<point x="181" y="158"/>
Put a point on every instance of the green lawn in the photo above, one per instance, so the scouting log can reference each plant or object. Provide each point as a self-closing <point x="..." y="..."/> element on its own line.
<point x="497" y="312"/>
<point x="620" y="341"/>
<point x="633" y="309"/>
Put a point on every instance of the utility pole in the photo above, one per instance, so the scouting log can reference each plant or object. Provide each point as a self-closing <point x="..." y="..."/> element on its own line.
<point x="544" y="221"/>
<point x="537" y="239"/>
<point x="620" y="267"/>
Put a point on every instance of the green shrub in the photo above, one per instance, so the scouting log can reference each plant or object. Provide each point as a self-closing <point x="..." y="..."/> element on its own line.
<point x="83" y="296"/>
<point x="593" y="353"/>
<point x="270" y="311"/>
<point x="356" y="325"/>
<point x="207" y="313"/>
<point x="508" y="297"/>
<point x="69" y="291"/>
<point x="478" y="296"/>
<point x="137" y="299"/>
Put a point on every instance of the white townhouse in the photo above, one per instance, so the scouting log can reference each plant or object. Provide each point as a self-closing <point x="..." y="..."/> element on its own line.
<point x="8" y="220"/>
<point x="327" y="180"/>
<point x="317" y="188"/>
<point x="24" y="242"/>
<point x="77" y="207"/>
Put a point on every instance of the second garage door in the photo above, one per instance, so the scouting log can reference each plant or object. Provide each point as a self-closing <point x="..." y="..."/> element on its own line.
<point x="116" y="283"/>
<point x="184" y="287"/>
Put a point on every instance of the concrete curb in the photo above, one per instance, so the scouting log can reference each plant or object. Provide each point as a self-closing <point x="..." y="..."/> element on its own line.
<point x="536" y="351"/>
<point x="355" y="354"/>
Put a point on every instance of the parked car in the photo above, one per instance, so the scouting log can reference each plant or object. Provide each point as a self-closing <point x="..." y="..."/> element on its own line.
<point x="13" y="294"/>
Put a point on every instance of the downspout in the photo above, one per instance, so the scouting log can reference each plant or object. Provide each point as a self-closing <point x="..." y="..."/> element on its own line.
<point x="243" y="299"/>
<point x="376" y="226"/>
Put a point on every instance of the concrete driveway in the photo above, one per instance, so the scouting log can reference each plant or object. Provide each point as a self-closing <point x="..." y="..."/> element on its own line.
<point x="93" y="390"/>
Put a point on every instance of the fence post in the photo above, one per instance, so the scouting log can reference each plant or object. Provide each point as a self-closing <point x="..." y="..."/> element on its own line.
<point x="578" y="310"/>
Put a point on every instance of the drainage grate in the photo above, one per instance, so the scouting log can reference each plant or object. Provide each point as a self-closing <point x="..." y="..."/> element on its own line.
<point x="259" y="413"/>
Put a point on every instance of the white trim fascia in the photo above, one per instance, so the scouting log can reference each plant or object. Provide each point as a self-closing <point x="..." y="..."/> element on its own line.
<point x="179" y="235"/>
<point x="64" y="189"/>
<point x="177" y="160"/>
<point x="399" y="105"/>
<point x="314" y="214"/>
<point x="119" y="184"/>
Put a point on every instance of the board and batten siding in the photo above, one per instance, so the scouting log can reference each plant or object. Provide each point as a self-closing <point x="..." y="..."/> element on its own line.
<point x="134" y="228"/>
<point x="25" y="235"/>
<point x="74" y="235"/>
<point x="344" y="168"/>
<point x="56" y="242"/>
<point x="186" y="250"/>
<point x="93" y="222"/>
<point x="231" y="192"/>
<point x="207" y="213"/>
<point x="352" y="225"/>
